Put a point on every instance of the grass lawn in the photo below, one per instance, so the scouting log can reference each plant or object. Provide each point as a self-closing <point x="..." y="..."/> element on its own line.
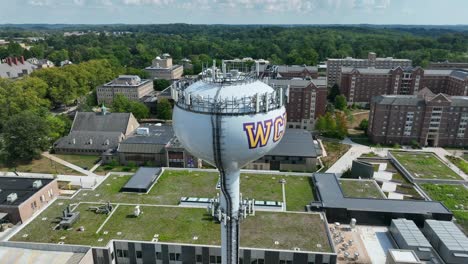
<point x="42" y="165"/>
<point x="299" y="192"/>
<point x="461" y="220"/>
<point x="171" y="224"/>
<point x="425" y="165"/>
<point x="460" y="163"/>
<point x="84" y="161"/>
<point x="264" y="187"/>
<point x="43" y="230"/>
<point x="465" y="156"/>
<point x="451" y="195"/>
<point x="291" y="230"/>
<point x="360" y="189"/>
<point x="171" y="186"/>
<point x="409" y="190"/>
<point x="334" y="151"/>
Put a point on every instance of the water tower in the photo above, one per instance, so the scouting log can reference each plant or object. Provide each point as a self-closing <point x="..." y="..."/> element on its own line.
<point x="229" y="118"/>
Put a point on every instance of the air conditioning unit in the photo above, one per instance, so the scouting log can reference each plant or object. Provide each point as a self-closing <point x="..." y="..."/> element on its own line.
<point x="37" y="184"/>
<point x="12" y="197"/>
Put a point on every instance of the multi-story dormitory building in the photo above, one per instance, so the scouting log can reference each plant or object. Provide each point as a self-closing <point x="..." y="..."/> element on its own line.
<point x="429" y="119"/>
<point x="307" y="100"/>
<point x="334" y="65"/>
<point x="359" y="85"/>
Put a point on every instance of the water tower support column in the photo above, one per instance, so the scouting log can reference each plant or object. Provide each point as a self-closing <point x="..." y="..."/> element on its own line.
<point x="229" y="203"/>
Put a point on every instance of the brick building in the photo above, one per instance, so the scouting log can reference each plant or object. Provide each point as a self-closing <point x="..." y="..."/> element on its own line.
<point x="334" y="65"/>
<point x="21" y="198"/>
<point x="130" y="86"/>
<point x="15" y="68"/>
<point x="429" y="119"/>
<point x="289" y="71"/>
<point x="359" y="85"/>
<point x="307" y="100"/>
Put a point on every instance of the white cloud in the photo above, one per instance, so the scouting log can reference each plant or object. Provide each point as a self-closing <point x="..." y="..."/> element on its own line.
<point x="40" y="2"/>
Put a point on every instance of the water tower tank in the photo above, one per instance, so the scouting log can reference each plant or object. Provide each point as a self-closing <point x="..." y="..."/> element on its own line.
<point x="229" y="120"/>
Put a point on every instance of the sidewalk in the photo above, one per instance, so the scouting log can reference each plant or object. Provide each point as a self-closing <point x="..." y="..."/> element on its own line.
<point x="68" y="164"/>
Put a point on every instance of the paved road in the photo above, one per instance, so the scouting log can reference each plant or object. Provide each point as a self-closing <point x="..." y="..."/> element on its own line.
<point x="68" y="164"/>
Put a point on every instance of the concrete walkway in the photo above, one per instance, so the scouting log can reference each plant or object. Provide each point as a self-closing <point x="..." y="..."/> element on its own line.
<point x="96" y="166"/>
<point x="68" y="164"/>
<point x="354" y="152"/>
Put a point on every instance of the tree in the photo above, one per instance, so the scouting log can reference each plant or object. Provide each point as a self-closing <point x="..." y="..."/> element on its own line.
<point x="334" y="92"/>
<point x="58" y="125"/>
<point x="122" y="104"/>
<point x="340" y="102"/>
<point x="321" y="124"/>
<point x="25" y="136"/>
<point x="341" y="126"/>
<point x="364" y="125"/>
<point x="164" y="109"/>
<point x="161" y="84"/>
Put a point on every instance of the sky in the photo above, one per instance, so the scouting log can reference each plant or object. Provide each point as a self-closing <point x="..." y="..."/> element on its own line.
<point x="433" y="12"/>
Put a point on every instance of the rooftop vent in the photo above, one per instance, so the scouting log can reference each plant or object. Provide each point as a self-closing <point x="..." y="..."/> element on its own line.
<point x="37" y="184"/>
<point x="12" y="197"/>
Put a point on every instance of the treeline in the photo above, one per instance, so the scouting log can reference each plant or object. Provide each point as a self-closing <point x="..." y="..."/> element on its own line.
<point x="27" y="126"/>
<point x="290" y="45"/>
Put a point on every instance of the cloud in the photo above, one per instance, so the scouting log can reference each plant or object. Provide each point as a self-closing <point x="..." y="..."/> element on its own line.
<point x="40" y="2"/>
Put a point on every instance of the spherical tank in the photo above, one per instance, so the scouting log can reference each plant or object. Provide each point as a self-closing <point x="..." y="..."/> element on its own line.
<point x="245" y="133"/>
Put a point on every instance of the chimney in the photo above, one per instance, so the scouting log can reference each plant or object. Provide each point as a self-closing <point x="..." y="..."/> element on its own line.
<point x="22" y="59"/>
<point x="15" y="60"/>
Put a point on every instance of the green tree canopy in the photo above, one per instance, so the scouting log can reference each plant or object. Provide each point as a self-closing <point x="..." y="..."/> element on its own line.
<point x="164" y="109"/>
<point x="122" y="104"/>
<point x="340" y="102"/>
<point x="25" y="136"/>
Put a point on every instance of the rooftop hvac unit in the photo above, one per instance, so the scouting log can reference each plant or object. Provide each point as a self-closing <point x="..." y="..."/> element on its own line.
<point x="142" y="131"/>
<point x="12" y="197"/>
<point x="37" y="184"/>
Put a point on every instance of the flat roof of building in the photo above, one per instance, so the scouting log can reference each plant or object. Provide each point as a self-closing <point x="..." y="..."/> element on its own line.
<point x="449" y="234"/>
<point x="32" y="256"/>
<point x="23" y="187"/>
<point x="411" y="233"/>
<point x="404" y="256"/>
<point x="163" y="216"/>
<point x="143" y="179"/>
<point x="331" y="195"/>
<point x="295" y="143"/>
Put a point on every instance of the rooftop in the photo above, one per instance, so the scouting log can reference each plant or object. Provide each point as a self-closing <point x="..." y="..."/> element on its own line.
<point x="331" y="195"/>
<point x="157" y="134"/>
<point x="410" y="233"/>
<point x="110" y="122"/>
<point x="449" y="234"/>
<point x="127" y="81"/>
<point x="163" y="217"/>
<point x="297" y="143"/>
<point x="23" y="187"/>
<point x="142" y="179"/>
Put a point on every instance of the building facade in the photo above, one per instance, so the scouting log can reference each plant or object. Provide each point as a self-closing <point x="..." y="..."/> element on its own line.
<point x="297" y="151"/>
<point x="428" y="119"/>
<point x="95" y="133"/>
<point x="448" y="65"/>
<point x="334" y="65"/>
<point x="359" y="85"/>
<point x="162" y="68"/>
<point x="130" y="86"/>
<point x="21" y="198"/>
<point x="307" y="100"/>
<point x="288" y="71"/>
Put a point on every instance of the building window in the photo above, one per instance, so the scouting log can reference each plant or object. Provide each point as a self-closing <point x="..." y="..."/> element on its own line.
<point x="139" y="254"/>
<point x="158" y="255"/>
<point x="199" y="258"/>
<point x="122" y="253"/>
<point x="174" y="256"/>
